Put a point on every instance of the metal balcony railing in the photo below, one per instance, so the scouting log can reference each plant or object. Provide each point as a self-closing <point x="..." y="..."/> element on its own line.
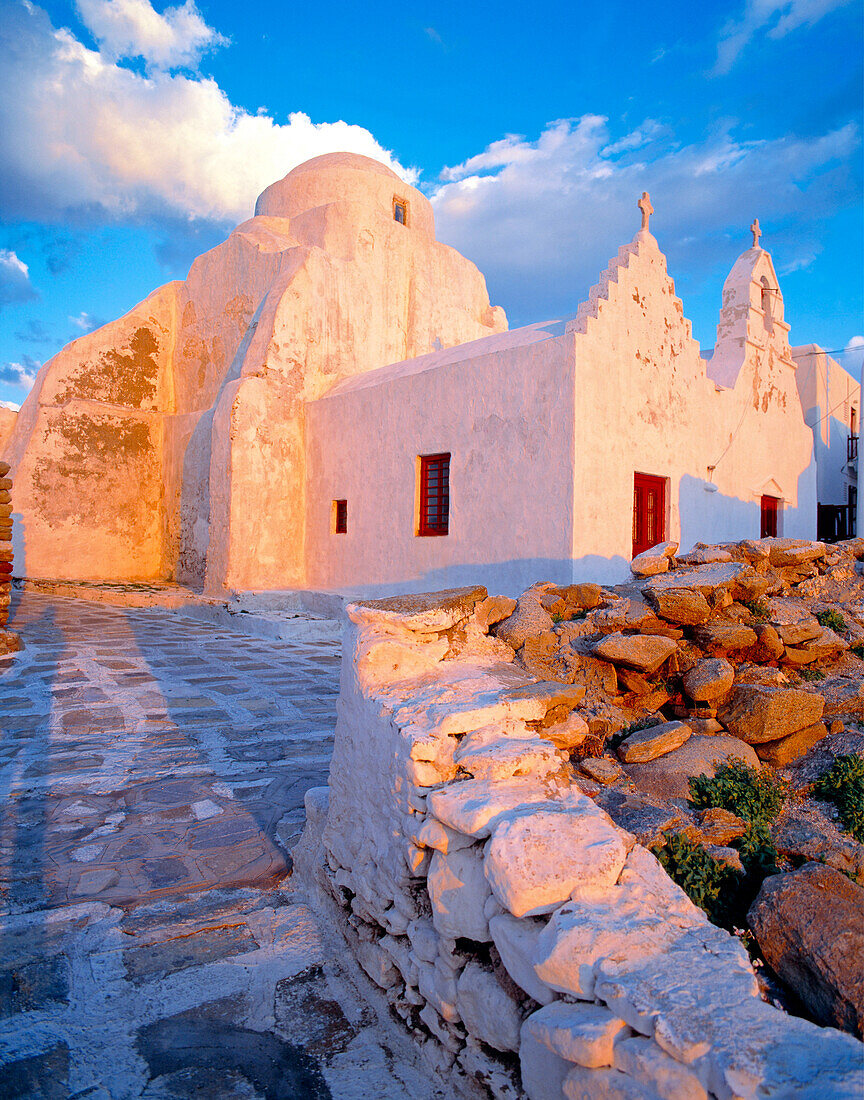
<point x="852" y="448"/>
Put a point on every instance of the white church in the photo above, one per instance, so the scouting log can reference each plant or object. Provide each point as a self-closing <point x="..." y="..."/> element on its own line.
<point x="329" y="402"/>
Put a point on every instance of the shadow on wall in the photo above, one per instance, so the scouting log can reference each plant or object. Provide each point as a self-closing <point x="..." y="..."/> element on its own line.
<point x="19" y="545"/>
<point x="195" y="489"/>
<point x="506" y="578"/>
<point x="834" y="479"/>
<point x="711" y="516"/>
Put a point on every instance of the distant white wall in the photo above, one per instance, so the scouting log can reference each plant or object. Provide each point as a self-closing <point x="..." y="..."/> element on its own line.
<point x="829" y="394"/>
<point x="505" y="417"/>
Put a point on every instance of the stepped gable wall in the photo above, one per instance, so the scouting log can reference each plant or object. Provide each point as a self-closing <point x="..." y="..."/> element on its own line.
<point x="546" y="426"/>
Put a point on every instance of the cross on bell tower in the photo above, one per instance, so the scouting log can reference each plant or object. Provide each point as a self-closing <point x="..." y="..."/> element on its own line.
<point x="647" y="209"/>
<point x="756" y="231"/>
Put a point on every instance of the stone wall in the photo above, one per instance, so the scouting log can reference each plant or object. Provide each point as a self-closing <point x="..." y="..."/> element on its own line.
<point x="9" y="642"/>
<point x="533" y="946"/>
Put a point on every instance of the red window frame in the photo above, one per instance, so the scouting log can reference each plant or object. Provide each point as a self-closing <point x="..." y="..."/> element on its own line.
<point x="649" y="512"/>
<point x="434" y="494"/>
<point x="340" y="517"/>
<point x="769" y="510"/>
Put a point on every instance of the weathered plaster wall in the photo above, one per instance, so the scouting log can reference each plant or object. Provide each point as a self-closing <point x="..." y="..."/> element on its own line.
<point x="502" y="910"/>
<point x="829" y="394"/>
<point x="7" y="423"/>
<point x="87" y="452"/>
<point x="771" y="448"/>
<point x="504" y="408"/>
<point x="321" y="284"/>
<point x="381" y="292"/>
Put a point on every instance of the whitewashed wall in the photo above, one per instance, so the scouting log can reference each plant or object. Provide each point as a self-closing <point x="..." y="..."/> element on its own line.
<point x="547" y="425"/>
<point x="828" y="396"/>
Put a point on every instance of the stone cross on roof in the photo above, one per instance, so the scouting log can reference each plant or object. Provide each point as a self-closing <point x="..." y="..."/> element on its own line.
<point x="647" y="209"/>
<point x="756" y="231"/>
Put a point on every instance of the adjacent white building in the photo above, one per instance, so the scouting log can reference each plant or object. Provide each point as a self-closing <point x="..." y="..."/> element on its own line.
<point x="831" y="403"/>
<point x="570" y="445"/>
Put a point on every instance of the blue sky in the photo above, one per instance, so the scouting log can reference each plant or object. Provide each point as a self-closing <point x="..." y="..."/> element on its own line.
<point x="134" y="136"/>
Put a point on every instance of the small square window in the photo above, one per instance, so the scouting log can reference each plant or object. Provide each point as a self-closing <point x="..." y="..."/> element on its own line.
<point x="434" y="494"/>
<point x="400" y="211"/>
<point x="340" y="517"/>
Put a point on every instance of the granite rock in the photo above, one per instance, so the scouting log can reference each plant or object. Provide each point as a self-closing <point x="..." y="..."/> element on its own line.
<point x="668" y="776"/>
<point x="458" y="890"/>
<point x="760" y="712"/>
<point x="653" y="742"/>
<point x="786" y="750"/>
<point x="709" y="680"/>
<point x="809" y="925"/>
<point x="486" y="1009"/>
<point x="646" y="653"/>
<point x="685" y="606"/>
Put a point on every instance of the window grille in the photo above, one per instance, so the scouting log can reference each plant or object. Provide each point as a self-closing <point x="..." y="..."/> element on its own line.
<point x="434" y="494"/>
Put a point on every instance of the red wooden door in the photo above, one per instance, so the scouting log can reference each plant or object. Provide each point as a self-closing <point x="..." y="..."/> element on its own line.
<point x="769" y="518"/>
<point x="649" y="512"/>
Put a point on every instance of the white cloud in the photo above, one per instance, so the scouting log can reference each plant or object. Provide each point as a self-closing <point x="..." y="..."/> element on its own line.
<point x="852" y="357"/>
<point x="15" y="285"/>
<point x="85" y="323"/>
<point x="10" y="405"/>
<point x="132" y="28"/>
<point x="80" y="133"/>
<point x="21" y="375"/>
<point x="541" y="217"/>
<point x="777" y="17"/>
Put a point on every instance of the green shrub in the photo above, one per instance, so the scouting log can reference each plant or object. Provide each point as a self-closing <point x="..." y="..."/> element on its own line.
<point x="858" y="650"/>
<point x="811" y="674"/>
<point x="708" y="883"/>
<point x="722" y="892"/>
<point x="843" y="784"/>
<point x="754" y="794"/>
<point x="557" y="617"/>
<point x="759" y="610"/>
<point x="833" y="620"/>
<point x="758" y="854"/>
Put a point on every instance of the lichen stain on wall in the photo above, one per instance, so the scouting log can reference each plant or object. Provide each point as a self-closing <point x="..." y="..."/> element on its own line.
<point x="102" y="459"/>
<point x="239" y="310"/>
<point x="195" y="350"/>
<point x="119" y="377"/>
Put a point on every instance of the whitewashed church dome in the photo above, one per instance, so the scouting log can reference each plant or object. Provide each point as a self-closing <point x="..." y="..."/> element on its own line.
<point x="347" y="178"/>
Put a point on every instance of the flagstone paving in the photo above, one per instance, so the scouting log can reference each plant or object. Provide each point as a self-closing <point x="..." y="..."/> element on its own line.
<point x="152" y="944"/>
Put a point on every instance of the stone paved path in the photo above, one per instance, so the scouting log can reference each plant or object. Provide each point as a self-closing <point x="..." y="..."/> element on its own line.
<point x="152" y="770"/>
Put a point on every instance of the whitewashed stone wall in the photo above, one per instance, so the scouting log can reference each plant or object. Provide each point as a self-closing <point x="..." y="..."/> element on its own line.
<point x="532" y="945"/>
